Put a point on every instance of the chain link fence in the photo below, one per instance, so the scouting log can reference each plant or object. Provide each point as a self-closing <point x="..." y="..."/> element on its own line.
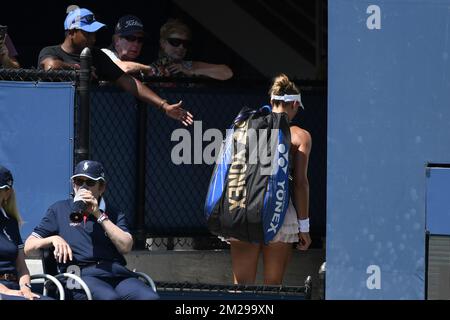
<point x="113" y="136"/>
<point x="164" y="201"/>
<point x="175" y="194"/>
<point x="37" y="75"/>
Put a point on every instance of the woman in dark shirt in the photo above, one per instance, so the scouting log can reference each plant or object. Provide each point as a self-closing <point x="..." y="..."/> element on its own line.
<point x="175" y="39"/>
<point x="14" y="274"/>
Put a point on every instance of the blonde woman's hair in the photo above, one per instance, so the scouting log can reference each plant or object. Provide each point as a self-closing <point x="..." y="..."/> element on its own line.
<point x="281" y="85"/>
<point x="174" y="26"/>
<point x="10" y="207"/>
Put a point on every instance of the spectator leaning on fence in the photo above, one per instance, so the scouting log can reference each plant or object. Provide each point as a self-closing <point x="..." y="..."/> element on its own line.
<point x="92" y="237"/>
<point x="8" y="54"/>
<point x="14" y="274"/>
<point x="126" y="46"/>
<point x="81" y="28"/>
<point x="175" y="39"/>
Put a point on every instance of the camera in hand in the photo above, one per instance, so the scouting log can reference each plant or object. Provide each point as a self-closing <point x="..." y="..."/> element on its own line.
<point x="78" y="209"/>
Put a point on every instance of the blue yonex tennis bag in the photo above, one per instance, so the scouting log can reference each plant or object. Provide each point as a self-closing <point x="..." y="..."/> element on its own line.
<point x="249" y="190"/>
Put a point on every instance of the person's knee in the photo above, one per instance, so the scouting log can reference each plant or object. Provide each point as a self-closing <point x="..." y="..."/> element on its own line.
<point x="105" y="295"/>
<point x="141" y="293"/>
<point x="135" y="289"/>
<point x="147" y="294"/>
<point x="96" y="295"/>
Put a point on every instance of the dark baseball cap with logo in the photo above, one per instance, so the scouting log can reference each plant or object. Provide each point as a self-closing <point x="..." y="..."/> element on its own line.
<point x="89" y="169"/>
<point x="6" y="179"/>
<point x="129" y="25"/>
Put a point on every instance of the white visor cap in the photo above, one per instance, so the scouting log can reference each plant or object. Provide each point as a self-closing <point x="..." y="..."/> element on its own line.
<point x="289" y="98"/>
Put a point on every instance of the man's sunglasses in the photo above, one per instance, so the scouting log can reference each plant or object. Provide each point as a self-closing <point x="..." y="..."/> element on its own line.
<point x="88" y="19"/>
<point x="134" y="38"/>
<point x="89" y="182"/>
<point x="175" y="42"/>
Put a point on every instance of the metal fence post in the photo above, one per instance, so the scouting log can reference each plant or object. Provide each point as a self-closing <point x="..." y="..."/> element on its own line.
<point x="140" y="174"/>
<point x="322" y="279"/>
<point x="82" y="141"/>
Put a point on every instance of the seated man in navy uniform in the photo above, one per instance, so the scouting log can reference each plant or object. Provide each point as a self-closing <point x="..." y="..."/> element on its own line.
<point x="90" y="239"/>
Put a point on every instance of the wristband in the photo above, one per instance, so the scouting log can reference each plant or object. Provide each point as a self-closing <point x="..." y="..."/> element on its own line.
<point x="102" y="218"/>
<point x="161" y="105"/>
<point x="303" y="225"/>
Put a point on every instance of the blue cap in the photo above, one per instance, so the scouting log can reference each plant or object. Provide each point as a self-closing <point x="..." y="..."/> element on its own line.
<point x="89" y="169"/>
<point x="82" y="19"/>
<point x="6" y="179"/>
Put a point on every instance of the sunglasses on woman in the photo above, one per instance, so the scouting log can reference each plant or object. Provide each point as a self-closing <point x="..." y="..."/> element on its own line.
<point x="175" y="42"/>
<point x="89" y="182"/>
<point x="134" y="38"/>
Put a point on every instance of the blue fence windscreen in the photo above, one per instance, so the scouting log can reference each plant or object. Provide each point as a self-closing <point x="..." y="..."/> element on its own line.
<point x="36" y="144"/>
<point x="438" y="201"/>
<point x="388" y="116"/>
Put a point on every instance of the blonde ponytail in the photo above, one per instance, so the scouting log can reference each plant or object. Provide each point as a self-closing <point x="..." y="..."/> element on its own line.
<point x="10" y="207"/>
<point x="281" y="85"/>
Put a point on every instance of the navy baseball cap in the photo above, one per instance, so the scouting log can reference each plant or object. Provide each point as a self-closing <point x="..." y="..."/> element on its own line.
<point x="82" y="19"/>
<point x="89" y="169"/>
<point x="6" y="179"/>
<point x="128" y="25"/>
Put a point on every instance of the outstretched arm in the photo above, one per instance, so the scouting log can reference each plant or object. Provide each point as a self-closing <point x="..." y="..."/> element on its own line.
<point x="132" y="67"/>
<point x="142" y="92"/>
<point x="215" y="71"/>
